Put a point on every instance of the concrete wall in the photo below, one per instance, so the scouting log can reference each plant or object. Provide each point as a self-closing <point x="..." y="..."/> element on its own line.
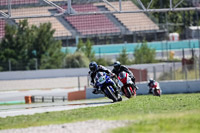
<point x="173" y="87"/>
<point x="37" y="74"/>
<point x="90" y="95"/>
<point x="168" y="87"/>
<point x="75" y="72"/>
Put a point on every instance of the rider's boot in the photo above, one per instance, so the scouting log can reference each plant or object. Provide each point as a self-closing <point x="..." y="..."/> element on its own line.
<point x="134" y="86"/>
<point x="116" y="89"/>
<point x="117" y="93"/>
<point x="116" y="83"/>
<point x="150" y="91"/>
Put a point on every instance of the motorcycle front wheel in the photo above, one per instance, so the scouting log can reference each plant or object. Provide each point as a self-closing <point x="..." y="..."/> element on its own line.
<point x="127" y="92"/>
<point x="157" y="92"/>
<point x="110" y="94"/>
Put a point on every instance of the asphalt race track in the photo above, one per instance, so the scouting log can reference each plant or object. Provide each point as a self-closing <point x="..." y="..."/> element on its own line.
<point x="9" y="96"/>
<point x="48" y="106"/>
<point x="30" y="109"/>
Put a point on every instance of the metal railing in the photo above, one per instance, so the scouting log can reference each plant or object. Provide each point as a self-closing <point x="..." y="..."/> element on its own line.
<point x="175" y="71"/>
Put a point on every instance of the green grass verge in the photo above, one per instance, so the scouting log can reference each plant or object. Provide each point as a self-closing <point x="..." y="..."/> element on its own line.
<point x="168" y="113"/>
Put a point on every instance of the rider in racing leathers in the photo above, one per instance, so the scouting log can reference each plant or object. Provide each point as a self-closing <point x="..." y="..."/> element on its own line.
<point x="152" y="84"/>
<point x="94" y="69"/>
<point x="118" y="68"/>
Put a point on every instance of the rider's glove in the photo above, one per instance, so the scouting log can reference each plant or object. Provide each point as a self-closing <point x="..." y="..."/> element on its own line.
<point x="112" y="75"/>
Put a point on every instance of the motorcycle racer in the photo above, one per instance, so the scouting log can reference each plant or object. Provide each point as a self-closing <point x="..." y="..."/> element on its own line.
<point x="94" y="69"/>
<point x="152" y="84"/>
<point x="118" y="68"/>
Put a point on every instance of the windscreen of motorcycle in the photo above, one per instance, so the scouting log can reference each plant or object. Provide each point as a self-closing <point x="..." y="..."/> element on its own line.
<point x="100" y="77"/>
<point x="122" y="75"/>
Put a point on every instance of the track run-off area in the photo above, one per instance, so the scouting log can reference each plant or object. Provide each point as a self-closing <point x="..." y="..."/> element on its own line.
<point x="17" y="106"/>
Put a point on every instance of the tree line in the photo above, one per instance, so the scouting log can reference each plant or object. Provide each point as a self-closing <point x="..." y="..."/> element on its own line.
<point x="24" y="46"/>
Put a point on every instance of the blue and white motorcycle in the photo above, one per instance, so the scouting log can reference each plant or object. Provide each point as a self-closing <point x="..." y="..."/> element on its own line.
<point x="105" y="84"/>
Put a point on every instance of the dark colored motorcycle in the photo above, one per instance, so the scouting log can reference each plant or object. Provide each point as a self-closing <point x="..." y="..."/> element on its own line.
<point x="105" y="84"/>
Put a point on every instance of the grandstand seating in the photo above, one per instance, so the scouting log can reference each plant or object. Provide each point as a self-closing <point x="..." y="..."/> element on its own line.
<point x="132" y="21"/>
<point x="16" y="2"/>
<point x="91" y="24"/>
<point x="57" y="0"/>
<point x="31" y="11"/>
<point x="83" y="24"/>
<point x="2" y="26"/>
<point x="60" y="29"/>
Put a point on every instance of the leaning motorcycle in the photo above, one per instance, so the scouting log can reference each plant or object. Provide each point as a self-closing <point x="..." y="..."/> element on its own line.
<point x="105" y="84"/>
<point x="156" y="90"/>
<point x="128" y="88"/>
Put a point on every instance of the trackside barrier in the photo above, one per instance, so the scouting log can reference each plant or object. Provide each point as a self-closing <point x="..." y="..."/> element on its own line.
<point x="77" y="95"/>
<point x="90" y="95"/>
<point x="28" y="99"/>
<point x="173" y="87"/>
<point x="168" y="87"/>
<point x="140" y="74"/>
<point x="42" y="99"/>
<point x="49" y="99"/>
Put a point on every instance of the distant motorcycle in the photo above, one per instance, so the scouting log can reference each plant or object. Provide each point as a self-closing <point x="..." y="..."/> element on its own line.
<point x="104" y="83"/>
<point x="128" y="88"/>
<point x="156" y="90"/>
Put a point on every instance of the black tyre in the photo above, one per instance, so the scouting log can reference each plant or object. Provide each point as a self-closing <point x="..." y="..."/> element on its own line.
<point x="157" y="92"/>
<point x="127" y="92"/>
<point x="110" y="94"/>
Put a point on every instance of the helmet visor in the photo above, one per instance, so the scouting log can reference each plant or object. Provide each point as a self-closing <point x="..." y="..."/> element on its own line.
<point x="92" y="68"/>
<point x="117" y="66"/>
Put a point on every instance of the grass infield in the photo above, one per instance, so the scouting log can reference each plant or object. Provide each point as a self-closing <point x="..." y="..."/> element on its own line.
<point x="168" y="113"/>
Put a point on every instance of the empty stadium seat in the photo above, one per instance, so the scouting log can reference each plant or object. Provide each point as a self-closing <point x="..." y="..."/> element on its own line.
<point x="60" y="30"/>
<point x="91" y="24"/>
<point x="16" y="2"/>
<point x="132" y="21"/>
<point x="2" y="26"/>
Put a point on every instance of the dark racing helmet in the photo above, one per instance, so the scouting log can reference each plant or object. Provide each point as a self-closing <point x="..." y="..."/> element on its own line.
<point x="151" y="82"/>
<point x="93" y="66"/>
<point x="117" y="65"/>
